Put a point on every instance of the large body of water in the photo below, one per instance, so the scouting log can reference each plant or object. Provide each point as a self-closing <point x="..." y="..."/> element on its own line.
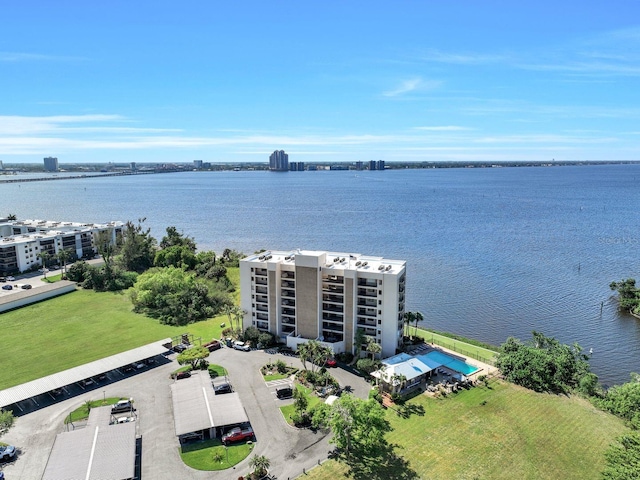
<point x="490" y="252"/>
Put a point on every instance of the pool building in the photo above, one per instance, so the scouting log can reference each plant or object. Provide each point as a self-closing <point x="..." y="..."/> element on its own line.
<point x="404" y="372"/>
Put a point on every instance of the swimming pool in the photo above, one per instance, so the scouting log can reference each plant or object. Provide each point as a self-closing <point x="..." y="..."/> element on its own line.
<point x="452" y="363"/>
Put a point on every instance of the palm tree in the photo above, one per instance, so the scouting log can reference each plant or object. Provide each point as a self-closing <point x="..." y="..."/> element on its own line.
<point x="398" y="379"/>
<point x="408" y="317"/>
<point x="260" y="465"/>
<point x="64" y="256"/>
<point x="304" y="353"/>
<point x="12" y="216"/>
<point x="374" y="348"/>
<point x="45" y="257"/>
<point x="418" y="318"/>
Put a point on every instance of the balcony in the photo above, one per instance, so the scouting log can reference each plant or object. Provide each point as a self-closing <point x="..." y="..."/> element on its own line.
<point x="261" y="281"/>
<point x="367" y="282"/>
<point x="331" y="327"/>
<point x="262" y="325"/>
<point x="332" y="308"/>
<point x="369" y="312"/>
<point x="261" y="271"/>
<point x="262" y="308"/>
<point x="334" y="279"/>
<point x="366" y="302"/>
<point x="332" y="337"/>
<point x="262" y="299"/>
<point x="333" y="298"/>
<point x="288" y="311"/>
<point x="332" y="289"/>
<point x="287" y="329"/>
<point x="366" y="322"/>
<point x="288" y="275"/>
<point x="332" y="318"/>
<point x="262" y="290"/>
<point x="367" y="292"/>
<point x="288" y="294"/>
<point x="262" y="316"/>
<point x="289" y="303"/>
<point x="288" y="284"/>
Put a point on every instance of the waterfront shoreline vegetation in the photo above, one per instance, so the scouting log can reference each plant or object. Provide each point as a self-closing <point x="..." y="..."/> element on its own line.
<point x="468" y="347"/>
<point x="500" y="432"/>
<point x="81" y="327"/>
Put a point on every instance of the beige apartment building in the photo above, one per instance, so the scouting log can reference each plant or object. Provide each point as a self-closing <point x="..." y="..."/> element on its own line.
<point x="304" y="295"/>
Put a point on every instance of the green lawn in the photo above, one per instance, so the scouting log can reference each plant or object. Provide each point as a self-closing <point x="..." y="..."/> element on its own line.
<point x="289" y="410"/>
<point x="82" y="411"/>
<point x="473" y="351"/>
<point x="80" y="327"/>
<point x="212" y="455"/>
<point x="504" y="432"/>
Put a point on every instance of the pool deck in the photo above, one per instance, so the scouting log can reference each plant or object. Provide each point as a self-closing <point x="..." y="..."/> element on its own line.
<point x="483" y="368"/>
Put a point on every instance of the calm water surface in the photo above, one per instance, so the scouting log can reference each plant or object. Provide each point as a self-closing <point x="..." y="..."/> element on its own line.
<point x="490" y="252"/>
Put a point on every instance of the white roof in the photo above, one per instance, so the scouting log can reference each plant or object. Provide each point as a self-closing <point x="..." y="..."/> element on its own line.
<point x="410" y="369"/>
<point x="196" y="407"/>
<point x="97" y="452"/>
<point x="67" y="377"/>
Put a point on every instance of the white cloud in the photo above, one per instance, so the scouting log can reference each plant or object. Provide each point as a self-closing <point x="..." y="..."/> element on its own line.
<point x="411" y="85"/>
<point x="444" y="128"/>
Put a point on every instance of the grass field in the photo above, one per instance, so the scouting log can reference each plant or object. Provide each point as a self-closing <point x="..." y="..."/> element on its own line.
<point x="212" y="455"/>
<point x="502" y="432"/>
<point x="81" y="327"/>
<point x="467" y="349"/>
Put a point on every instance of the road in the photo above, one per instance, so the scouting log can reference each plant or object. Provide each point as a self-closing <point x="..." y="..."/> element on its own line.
<point x="290" y="450"/>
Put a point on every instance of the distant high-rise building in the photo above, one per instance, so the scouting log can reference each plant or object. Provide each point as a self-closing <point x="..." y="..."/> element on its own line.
<point x="197" y="164"/>
<point x="132" y="166"/>
<point x="279" y="161"/>
<point x="380" y="165"/>
<point x="372" y="164"/>
<point x="1" y="165"/>
<point x="296" y="166"/>
<point x="359" y="165"/>
<point x="51" y="164"/>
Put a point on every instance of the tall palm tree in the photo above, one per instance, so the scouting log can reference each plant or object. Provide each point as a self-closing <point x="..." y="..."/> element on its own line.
<point x="374" y="348"/>
<point x="304" y="353"/>
<point x="45" y="257"/>
<point x="64" y="256"/>
<point x="409" y="317"/>
<point x="418" y="318"/>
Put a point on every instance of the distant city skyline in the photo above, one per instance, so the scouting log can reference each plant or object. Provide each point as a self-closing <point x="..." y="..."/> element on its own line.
<point x="409" y="82"/>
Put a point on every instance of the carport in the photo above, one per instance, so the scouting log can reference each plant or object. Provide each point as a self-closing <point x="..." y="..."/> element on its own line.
<point x="97" y="452"/>
<point x="197" y="409"/>
<point x="46" y="384"/>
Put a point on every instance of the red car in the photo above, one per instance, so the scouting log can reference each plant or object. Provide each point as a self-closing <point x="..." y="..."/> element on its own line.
<point x="332" y="362"/>
<point x="237" y="434"/>
<point x="212" y="345"/>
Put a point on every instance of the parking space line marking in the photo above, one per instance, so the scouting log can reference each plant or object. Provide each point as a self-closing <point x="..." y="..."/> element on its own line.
<point x="93" y="449"/>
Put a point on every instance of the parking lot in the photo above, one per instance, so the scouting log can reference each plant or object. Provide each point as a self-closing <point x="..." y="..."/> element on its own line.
<point x="289" y="450"/>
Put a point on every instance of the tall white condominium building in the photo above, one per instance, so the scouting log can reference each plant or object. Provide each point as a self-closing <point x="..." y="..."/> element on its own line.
<point x="279" y="161"/>
<point x="22" y="242"/>
<point x="51" y="164"/>
<point x="302" y="295"/>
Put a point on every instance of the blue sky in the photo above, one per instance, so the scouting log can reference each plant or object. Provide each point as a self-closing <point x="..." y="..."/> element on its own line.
<point x="160" y="81"/>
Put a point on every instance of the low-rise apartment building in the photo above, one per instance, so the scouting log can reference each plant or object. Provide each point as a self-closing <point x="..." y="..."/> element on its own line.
<point x="306" y="295"/>
<point x="22" y="241"/>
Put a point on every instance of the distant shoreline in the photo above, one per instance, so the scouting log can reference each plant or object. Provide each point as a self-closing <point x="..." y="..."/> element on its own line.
<point x="89" y="170"/>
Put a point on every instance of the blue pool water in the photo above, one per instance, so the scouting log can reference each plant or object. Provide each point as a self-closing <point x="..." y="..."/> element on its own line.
<point x="452" y="363"/>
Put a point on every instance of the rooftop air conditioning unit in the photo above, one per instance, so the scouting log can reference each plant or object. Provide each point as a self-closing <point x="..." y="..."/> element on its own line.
<point x="381" y="267"/>
<point x="388" y="268"/>
<point x="358" y="263"/>
<point x="364" y="264"/>
<point x="261" y="257"/>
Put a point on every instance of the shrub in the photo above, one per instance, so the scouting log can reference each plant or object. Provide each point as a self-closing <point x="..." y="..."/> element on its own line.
<point x="281" y="366"/>
<point x="344" y="357"/>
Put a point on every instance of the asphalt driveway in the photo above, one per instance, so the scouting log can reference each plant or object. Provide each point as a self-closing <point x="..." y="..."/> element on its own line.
<point x="290" y="450"/>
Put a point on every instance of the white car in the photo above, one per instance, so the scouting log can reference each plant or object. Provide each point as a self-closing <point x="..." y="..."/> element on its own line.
<point x="238" y="345"/>
<point x="11" y="279"/>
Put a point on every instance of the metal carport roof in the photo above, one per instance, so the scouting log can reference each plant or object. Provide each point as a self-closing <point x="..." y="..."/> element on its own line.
<point x="67" y="377"/>
<point x="97" y="452"/>
<point x="196" y="407"/>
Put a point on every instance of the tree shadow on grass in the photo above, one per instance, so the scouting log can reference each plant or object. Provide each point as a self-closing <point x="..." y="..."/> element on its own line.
<point x="408" y="409"/>
<point x="382" y="463"/>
